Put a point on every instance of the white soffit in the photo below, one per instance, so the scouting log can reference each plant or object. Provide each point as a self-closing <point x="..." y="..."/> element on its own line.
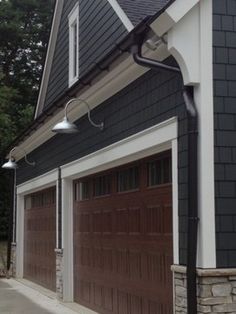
<point x="121" y="14"/>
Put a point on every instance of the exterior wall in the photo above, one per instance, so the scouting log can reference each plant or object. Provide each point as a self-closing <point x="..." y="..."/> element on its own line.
<point x="224" y="45"/>
<point x="216" y="290"/>
<point x="99" y="29"/>
<point x="151" y="99"/>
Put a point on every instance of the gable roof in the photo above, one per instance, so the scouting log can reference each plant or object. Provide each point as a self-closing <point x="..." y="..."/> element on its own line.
<point x="137" y="10"/>
<point x="97" y="68"/>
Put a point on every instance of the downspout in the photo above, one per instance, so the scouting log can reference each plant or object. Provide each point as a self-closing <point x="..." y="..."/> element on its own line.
<point x="192" y="172"/>
<point x="59" y="210"/>
<point x="10" y="221"/>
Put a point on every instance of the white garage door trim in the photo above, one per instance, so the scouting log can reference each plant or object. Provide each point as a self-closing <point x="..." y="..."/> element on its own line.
<point x="151" y="141"/>
<point x="158" y="138"/>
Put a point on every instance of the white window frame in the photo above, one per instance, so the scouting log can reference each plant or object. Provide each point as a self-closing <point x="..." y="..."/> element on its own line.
<point x="73" y="18"/>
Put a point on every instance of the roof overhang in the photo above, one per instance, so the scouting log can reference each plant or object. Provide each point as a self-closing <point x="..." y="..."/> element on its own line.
<point x="121" y="69"/>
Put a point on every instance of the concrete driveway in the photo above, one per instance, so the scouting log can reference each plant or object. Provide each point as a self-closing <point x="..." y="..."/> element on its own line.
<point x="17" y="298"/>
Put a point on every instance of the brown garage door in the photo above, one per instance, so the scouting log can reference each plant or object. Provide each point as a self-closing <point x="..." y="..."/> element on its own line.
<point x="40" y="238"/>
<point x="123" y="239"/>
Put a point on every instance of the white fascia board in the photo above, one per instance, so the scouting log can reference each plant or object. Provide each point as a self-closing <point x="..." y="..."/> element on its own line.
<point x="172" y="15"/>
<point x="122" y="73"/>
<point x="121" y="14"/>
<point x="49" y="56"/>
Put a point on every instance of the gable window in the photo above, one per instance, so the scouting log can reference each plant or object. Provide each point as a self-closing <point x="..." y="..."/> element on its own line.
<point x="73" y="45"/>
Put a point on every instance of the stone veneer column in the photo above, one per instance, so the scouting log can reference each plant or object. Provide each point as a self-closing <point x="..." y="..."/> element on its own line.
<point x="12" y="271"/>
<point x="59" y="273"/>
<point x="216" y="290"/>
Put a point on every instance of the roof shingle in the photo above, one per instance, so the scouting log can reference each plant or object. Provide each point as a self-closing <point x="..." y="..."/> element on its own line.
<point x="137" y="10"/>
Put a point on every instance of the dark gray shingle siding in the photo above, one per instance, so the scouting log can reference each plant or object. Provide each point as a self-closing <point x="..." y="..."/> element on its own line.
<point x="224" y="48"/>
<point x="149" y="100"/>
<point x="99" y="30"/>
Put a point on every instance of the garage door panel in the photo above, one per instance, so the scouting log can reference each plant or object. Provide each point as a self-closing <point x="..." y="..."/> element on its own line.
<point x="40" y="238"/>
<point x="123" y="244"/>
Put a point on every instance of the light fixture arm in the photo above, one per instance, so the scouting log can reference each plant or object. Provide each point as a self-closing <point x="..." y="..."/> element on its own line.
<point x="96" y="125"/>
<point x="25" y="156"/>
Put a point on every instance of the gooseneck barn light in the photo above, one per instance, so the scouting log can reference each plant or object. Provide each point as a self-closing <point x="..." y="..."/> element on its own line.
<point x="11" y="163"/>
<point x="67" y="127"/>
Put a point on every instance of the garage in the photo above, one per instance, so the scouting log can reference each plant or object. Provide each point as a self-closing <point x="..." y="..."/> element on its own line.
<point x="40" y="238"/>
<point x="123" y="246"/>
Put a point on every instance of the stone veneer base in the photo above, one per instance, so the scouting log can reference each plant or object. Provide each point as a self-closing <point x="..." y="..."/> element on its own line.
<point x="12" y="271"/>
<point x="216" y="290"/>
<point x="59" y="273"/>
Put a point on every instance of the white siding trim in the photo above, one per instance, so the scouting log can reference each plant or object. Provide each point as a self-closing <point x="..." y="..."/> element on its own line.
<point x="189" y="27"/>
<point x="73" y="18"/>
<point x="20" y="236"/>
<point x="67" y="240"/>
<point x="204" y="100"/>
<point x="175" y="200"/>
<point x="49" y="57"/>
<point x="121" y="14"/>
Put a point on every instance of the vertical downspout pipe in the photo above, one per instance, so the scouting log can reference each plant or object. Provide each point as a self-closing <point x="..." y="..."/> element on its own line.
<point x="192" y="199"/>
<point x="59" y="210"/>
<point x="192" y="173"/>
<point x="10" y="220"/>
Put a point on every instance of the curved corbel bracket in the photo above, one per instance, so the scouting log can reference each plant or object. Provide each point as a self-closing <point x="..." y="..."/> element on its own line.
<point x="184" y="45"/>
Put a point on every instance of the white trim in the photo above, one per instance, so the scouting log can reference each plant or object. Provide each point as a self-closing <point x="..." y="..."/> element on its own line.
<point x="204" y="100"/>
<point x="140" y="145"/>
<point x="151" y="141"/>
<point x="49" y="57"/>
<point x="67" y="240"/>
<point x="121" y="14"/>
<point x="73" y="18"/>
<point x="46" y="180"/>
<point x="57" y="212"/>
<point x="172" y="15"/>
<point x="190" y="38"/>
<point x="175" y="200"/>
<point x="20" y="236"/>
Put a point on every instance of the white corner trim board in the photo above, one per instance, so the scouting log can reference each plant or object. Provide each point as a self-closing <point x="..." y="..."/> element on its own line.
<point x="121" y="14"/>
<point x="188" y="26"/>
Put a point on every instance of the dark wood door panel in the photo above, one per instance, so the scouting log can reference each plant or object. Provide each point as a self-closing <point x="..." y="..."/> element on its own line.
<point x="40" y="238"/>
<point x="123" y="249"/>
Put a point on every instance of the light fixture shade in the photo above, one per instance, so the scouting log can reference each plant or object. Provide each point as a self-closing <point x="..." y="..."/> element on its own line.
<point x="65" y="127"/>
<point x="11" y="164"/>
